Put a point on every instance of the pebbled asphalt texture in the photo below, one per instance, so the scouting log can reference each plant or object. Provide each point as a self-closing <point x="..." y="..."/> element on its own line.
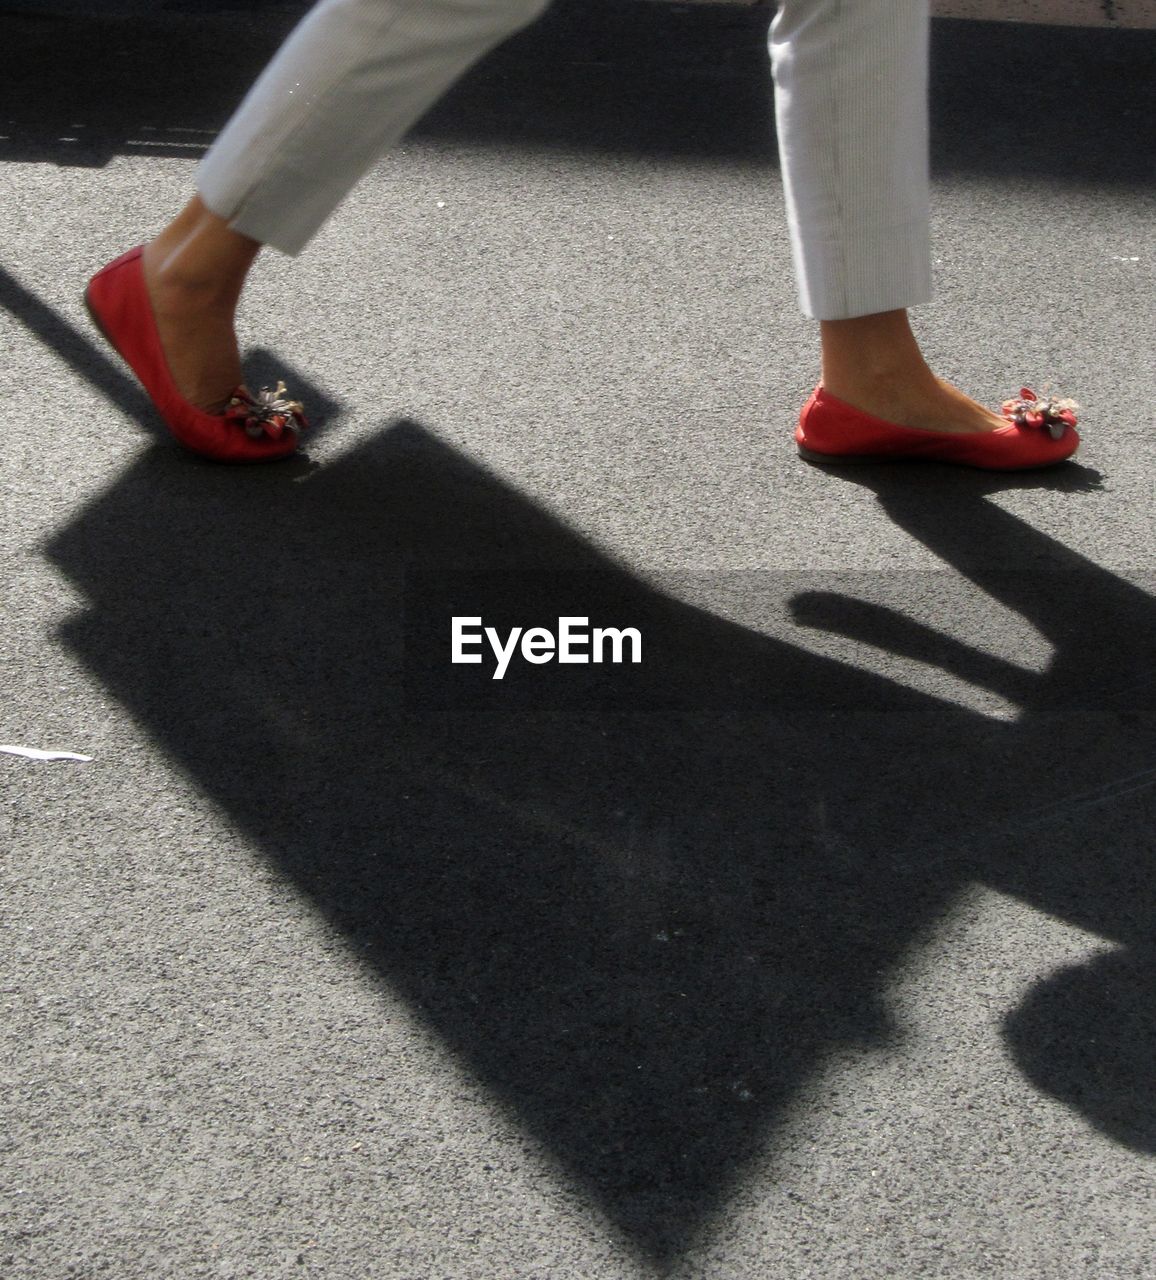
<point x="817" y="945"/>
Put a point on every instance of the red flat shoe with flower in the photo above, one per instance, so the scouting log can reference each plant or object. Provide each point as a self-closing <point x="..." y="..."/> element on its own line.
<point x="257" y="428"/>
<point x="1039" y="433"/>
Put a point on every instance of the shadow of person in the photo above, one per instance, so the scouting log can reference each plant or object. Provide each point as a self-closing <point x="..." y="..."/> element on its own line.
<point x="1085" y="737"/>
<point x="1082" y="755"/>
<point x="640" y="901"/>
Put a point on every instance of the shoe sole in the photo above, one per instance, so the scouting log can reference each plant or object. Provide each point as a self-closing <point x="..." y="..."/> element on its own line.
<point x="837" y="459"/>
<point x="881" y="459"/>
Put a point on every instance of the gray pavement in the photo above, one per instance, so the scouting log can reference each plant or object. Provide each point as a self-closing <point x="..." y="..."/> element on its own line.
<point x="820" y="944"/>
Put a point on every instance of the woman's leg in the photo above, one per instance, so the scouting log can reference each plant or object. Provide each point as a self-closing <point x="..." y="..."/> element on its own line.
<point x="851" y="107"/>
<point x="874" y="363"/>
<point x="195" y="271"/>
<point x="348" y="83"/>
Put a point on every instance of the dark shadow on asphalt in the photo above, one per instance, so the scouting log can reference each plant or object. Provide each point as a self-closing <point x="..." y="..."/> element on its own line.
<point x="100" y="369"/>
<point x="1086" y="1036"/>
<point x="642" y="903"/>
<point x="1010" y="102"/>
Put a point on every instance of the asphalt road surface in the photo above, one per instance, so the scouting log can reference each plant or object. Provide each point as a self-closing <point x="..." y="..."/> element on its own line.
<point x="817" y="945"/>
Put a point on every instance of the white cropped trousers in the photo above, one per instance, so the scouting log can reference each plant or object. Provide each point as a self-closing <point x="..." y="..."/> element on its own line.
<point x="850" y="101"/>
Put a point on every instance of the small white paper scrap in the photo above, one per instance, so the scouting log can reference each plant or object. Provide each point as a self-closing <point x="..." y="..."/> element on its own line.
<point x="34" y="753"/>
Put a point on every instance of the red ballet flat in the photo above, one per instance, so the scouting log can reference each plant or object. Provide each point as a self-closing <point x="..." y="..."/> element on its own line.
<point x="1039" y="433"/>
<point x="257" y="428"/>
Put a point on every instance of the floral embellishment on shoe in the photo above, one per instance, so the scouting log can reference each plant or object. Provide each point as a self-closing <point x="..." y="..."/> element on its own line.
<point x="1031" y="410"/>
<point x="268" y="413"/>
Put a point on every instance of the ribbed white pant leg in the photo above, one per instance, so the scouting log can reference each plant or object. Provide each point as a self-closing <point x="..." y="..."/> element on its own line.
<point x="851" y="110"/>
<point x="347" y="84"/>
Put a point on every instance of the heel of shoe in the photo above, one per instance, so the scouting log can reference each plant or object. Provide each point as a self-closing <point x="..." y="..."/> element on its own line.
<point x="98" y="325"/>
<point x="835" y="459"/>
<point x="110" y="307"/>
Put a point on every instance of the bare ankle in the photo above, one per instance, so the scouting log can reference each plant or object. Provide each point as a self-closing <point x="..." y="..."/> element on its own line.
<point x="198" y="255"/>
<point x="868" y="356"/>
